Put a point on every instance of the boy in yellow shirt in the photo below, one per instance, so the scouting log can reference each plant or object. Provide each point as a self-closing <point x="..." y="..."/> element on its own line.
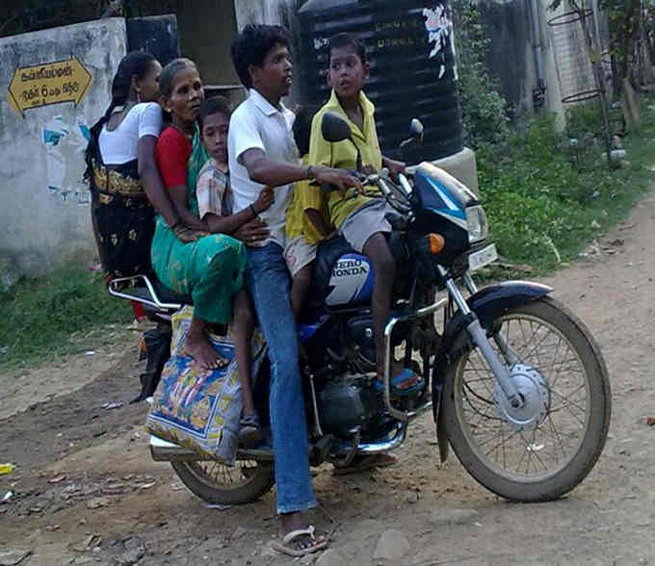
<point x="359" y="218"/>
<point x="306" y="222"/>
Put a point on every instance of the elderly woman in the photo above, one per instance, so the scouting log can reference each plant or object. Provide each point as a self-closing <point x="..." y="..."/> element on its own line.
<point x="122" y="171"/>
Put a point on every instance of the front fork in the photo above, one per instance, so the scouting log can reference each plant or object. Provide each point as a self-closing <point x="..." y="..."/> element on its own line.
<point x="478" y="335"/>
<point x="499" y="338"/>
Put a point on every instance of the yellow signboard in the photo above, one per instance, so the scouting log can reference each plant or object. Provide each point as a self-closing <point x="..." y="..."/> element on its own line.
<point x="52" y="83"/>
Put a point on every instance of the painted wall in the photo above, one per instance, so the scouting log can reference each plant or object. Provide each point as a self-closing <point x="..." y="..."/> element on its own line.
<point x="44" y="202"/>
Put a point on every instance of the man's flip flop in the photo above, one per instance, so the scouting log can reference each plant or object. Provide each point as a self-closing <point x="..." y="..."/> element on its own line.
<point x="286" y="545"/>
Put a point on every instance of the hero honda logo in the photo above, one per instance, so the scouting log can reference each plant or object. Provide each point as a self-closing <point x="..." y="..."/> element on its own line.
<point x="348" y="267"/>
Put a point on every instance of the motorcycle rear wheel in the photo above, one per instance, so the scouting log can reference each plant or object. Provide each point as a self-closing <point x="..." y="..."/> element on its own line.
<point x="223" y="485"/>
<point x="544" y="463"/>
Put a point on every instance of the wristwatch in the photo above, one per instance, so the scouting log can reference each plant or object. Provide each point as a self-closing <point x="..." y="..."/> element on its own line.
<point x="309" y="173"/>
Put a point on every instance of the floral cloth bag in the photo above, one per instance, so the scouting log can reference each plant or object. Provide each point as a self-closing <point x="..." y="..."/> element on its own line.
<point x="197" y="409"/>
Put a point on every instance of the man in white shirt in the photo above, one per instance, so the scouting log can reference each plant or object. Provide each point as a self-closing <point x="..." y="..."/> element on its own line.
<point x="262" y="152"/>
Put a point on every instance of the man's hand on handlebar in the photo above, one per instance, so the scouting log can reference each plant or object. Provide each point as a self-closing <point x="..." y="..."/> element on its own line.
<point x="395" y="167"/>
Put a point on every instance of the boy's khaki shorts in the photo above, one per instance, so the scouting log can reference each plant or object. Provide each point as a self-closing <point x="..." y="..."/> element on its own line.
<point x="298" y="253"/>
<point x="362" y="223"/>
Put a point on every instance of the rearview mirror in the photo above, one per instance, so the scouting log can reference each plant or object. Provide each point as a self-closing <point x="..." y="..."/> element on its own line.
<point x="416" y="129"/>
<point x="415" y="135"/>
<point x="334" y="128"/>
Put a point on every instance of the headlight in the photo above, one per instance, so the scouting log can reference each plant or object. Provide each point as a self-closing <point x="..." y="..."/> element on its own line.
<point x="476" y="223"/>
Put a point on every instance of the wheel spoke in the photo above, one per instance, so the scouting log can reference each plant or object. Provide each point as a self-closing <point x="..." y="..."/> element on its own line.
<point x="501" y="443"/>
<point x="554" y="440"/>
<point x="228" y="477"/>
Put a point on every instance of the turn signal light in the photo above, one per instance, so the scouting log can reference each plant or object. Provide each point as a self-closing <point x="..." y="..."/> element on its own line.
<point x="437" y="243"/>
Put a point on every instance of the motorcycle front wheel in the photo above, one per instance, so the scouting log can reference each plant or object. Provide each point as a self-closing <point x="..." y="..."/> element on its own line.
<point x="218" y="484"/>
<point x="558" y="366"/>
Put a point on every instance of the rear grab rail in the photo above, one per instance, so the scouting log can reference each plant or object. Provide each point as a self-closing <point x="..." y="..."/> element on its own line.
<point x="115" y="288"/>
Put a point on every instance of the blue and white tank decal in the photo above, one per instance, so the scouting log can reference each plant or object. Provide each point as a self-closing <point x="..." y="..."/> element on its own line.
<point x="447" y="205"/>
<point x="351" y="281"/>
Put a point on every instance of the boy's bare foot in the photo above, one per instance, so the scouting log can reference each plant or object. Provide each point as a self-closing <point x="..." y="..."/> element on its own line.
<point x="198" y="347"/>
<point x="396" y="369"/>
<point x="401" y="377"/>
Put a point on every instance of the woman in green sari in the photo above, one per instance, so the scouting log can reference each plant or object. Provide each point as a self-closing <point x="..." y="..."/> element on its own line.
<point x="211" y="268"/>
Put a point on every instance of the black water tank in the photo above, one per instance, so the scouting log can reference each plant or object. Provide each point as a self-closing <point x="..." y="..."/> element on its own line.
<point x="409" y="45"/>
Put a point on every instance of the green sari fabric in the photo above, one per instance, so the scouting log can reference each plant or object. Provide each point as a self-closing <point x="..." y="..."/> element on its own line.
<point x="210" y="269"/>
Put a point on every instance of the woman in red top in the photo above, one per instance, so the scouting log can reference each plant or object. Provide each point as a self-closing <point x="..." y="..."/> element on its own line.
<point x="210" y="269"/>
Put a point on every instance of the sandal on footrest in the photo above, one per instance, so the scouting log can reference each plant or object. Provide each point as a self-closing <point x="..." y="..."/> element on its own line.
<point x="286" y="546"/>
<point x="406" y="382"/>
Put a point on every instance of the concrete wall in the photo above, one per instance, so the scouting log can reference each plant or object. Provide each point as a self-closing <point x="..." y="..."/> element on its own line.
<point x="564" y="64"/>
<point x="268" y="12"/>
<point x="509" y="58"/>
<point x="282" y="12"/>
<point x="44" y="207"/>
<point x="206" y="29"/>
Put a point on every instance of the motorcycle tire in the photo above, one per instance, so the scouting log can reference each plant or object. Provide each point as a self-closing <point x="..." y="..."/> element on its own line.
<point x="463" y="397"/>
<point x="253" y="481"/>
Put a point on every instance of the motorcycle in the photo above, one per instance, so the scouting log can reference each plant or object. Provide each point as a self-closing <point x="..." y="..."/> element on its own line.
<point x="515" y="382"/>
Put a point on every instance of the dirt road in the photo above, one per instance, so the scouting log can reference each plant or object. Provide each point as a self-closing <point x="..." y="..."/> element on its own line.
<point x="86" y="492"/>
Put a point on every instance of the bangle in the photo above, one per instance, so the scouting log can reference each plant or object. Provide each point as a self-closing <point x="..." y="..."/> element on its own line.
<point x="179" y="228"/>
<point x="254" y="212"/>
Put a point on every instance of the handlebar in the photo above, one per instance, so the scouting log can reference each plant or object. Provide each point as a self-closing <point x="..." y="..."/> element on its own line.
<point x="372" y="179"/>
<point x="396" y="194"/>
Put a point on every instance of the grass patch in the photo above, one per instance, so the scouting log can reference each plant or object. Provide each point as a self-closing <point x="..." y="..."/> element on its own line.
<point x="64" y="313"/>
<point x="543" y="210"/>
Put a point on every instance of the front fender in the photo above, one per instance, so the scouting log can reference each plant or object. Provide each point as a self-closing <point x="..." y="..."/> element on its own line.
<point x="487" y="304"/>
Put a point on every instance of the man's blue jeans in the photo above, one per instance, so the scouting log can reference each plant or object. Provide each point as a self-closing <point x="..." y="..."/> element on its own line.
<point x="269" y="282"/>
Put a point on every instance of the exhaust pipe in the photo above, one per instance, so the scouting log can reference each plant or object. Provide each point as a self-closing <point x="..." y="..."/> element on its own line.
<point x="164" y="451"/>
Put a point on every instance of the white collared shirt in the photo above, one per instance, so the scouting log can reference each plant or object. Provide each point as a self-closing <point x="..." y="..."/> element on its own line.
<point x="257" y="124"/>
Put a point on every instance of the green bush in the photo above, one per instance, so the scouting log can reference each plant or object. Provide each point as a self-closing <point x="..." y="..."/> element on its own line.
<point x="39" y="316"/>
<point x="542" y="210"/>
<point x="585" y="119"/>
